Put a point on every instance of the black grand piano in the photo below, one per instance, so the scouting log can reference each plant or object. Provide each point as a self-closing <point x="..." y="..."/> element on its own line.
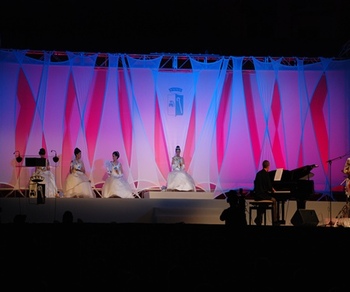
<point x="293" y="184"/>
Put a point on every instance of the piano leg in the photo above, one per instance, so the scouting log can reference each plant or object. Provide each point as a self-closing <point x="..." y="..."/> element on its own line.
<point x="280" y="211"/>
<point x="301" y="204"/>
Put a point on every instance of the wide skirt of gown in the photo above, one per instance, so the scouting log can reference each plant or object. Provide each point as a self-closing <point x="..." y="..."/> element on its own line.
<point x="78" y="186"/>
<point x="117" y="187"/>
<point x="180" y="180"/>
<point x="50" y="184"/>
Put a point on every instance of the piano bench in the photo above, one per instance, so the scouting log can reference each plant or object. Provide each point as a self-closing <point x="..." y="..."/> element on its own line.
<point x="264" y="205"/>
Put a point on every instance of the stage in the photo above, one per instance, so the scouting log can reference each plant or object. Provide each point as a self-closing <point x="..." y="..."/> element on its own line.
<point x="153" y="207"/>
<point x="166" y="239"/>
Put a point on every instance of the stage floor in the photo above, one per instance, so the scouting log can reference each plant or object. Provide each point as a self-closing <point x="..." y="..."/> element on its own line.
<point x="148" y="248"/>
<point x="154" y="207"/>
<point x="164" y="207"/>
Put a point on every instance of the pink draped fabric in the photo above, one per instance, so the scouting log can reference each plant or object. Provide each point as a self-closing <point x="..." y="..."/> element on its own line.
<point x="226" y="120"/>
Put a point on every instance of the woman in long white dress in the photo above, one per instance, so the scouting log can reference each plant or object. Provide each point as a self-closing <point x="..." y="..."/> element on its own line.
<point x="77" y="183"/>
<point x="116" y="186"/>
<point x="178" y="178"/>
<point x="48" y="177"/>
<point x="346" y="170"/>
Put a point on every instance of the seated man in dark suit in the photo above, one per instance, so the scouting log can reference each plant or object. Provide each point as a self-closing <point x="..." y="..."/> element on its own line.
<point x="263" y="190"/>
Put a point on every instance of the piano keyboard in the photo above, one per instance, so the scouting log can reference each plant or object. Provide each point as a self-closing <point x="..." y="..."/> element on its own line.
<point x="282" y="192"/>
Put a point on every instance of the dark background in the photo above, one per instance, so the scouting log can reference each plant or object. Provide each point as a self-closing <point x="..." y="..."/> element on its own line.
<point x="224" y="27"/>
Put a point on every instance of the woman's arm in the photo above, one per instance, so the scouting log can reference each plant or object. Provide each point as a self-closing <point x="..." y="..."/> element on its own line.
<point x="71" y="167"/>
<point x="173" y="164"/>
<point x="182" y="163"/>
<point x="48" y="167"/>
<point x="82" y="169"/>
<point x="120" y="168"/>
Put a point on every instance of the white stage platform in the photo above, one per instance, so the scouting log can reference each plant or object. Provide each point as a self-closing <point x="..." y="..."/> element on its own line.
<point x="155" y="207"/>
<point x="179" y="195"/>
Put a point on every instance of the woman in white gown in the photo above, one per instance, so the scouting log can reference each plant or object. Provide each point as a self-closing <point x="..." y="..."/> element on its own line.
<point x="48" y="177"/>
<point x="346" y="170"/>
<point x="178" y="178"/>
<point x="116" y="186"/>
<point x="77" y="183"/>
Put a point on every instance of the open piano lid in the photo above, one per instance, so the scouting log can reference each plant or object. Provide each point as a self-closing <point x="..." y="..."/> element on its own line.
<point x="296" y="174"/>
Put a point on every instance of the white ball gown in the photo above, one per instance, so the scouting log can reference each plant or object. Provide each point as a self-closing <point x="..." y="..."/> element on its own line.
<point x="178" y="179"/>
<point x="48" y="180"/>
<point x="116" y="185"/>
<point x="77" y="183"/>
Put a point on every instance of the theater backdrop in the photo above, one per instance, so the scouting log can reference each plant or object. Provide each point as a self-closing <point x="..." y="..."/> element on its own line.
<point x="227" y="114"/>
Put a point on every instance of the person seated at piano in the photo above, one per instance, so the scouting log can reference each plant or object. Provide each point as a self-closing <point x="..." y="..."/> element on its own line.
<point x="263" y="190"/>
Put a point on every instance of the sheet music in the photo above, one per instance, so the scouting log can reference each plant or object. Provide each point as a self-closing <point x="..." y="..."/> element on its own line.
<point x="278" y="174"/>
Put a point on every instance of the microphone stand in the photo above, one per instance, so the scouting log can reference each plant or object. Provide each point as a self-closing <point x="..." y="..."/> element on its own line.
<point x="55" y="159"/>
<point x="331" y="223"/>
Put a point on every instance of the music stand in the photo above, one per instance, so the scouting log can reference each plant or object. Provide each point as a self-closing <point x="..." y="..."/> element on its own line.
<point x="331" y="223"/>
<point x="34" y="161"/>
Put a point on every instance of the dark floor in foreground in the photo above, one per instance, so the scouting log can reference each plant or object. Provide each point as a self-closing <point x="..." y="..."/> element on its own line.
<point x="173" y="257"/>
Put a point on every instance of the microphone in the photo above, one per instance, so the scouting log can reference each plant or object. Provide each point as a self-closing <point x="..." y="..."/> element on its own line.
<point x="55" y="158"/>
<point x="18" y="157"/>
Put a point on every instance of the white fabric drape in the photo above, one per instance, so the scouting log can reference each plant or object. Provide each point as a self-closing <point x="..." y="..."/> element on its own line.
<point x="226" y="119"/>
